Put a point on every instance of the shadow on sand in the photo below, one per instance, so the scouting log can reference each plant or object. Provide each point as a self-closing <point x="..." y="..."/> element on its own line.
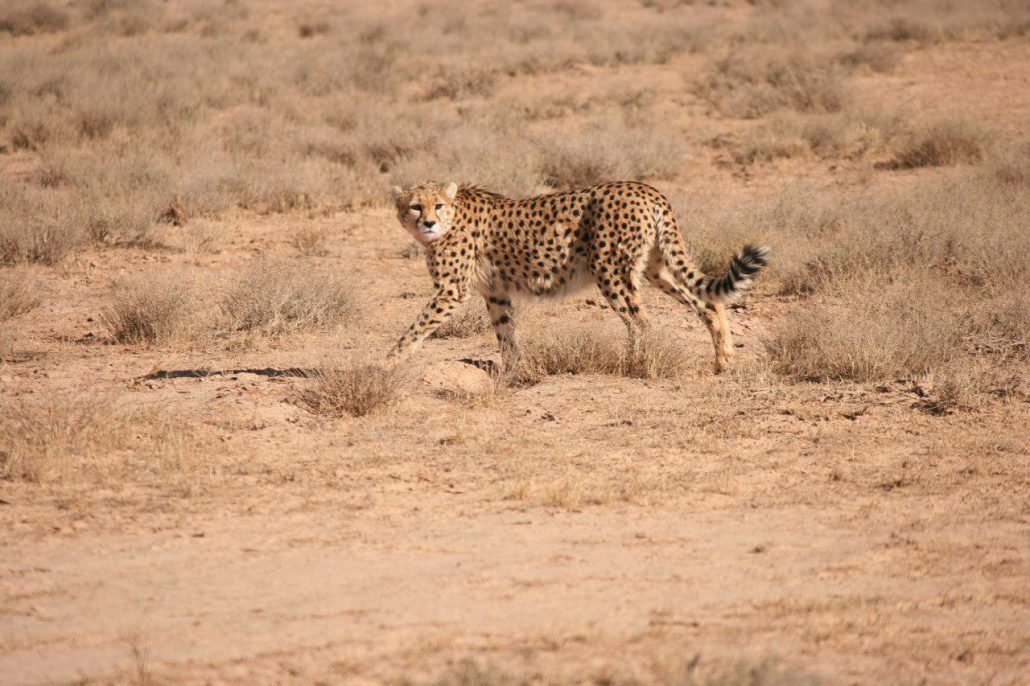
<point x="270" y="372"/>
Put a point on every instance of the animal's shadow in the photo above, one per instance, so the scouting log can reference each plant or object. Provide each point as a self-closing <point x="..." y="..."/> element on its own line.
<point x="270" y="372"/>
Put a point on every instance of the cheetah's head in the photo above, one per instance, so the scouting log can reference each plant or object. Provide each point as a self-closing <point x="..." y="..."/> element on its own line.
<point x="426" y="211"/>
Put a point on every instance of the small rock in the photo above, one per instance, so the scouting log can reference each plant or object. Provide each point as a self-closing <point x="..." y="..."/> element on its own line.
<point x="457" y="377"/>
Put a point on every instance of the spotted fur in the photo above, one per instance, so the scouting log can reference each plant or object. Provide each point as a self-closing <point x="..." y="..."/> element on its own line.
<point x="612" y="235"/>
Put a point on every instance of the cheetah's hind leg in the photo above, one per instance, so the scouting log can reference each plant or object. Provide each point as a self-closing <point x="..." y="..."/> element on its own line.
<point x="621" y="288"/>
<point x="714" y="316"/>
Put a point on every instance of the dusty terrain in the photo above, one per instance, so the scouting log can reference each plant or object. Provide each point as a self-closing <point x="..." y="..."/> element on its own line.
<point x="753" y="527"/>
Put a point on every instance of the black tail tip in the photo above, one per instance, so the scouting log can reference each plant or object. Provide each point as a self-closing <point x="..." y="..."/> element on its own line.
<point x="755" y="255"/>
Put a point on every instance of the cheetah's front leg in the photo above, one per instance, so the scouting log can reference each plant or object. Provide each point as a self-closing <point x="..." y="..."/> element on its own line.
<point x="435" y="313"/>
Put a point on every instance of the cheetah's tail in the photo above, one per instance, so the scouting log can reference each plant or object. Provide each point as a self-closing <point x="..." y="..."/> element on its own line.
<point x="745" y="265"/>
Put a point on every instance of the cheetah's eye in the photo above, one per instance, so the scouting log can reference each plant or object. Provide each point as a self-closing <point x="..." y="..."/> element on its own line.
<point x="415" y="208"/>
<point x="439" y="207"/>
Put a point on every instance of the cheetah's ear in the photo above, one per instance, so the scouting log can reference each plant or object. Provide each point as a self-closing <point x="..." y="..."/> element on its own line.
<point x="451" y="190"/>
<point x="396" y="192"/>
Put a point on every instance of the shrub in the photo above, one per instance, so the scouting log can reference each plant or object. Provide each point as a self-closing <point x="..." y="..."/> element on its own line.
<point x="149" y="311"/>
<point x="590" y="351"/>
<point x="616" y="148"/>
<point x="40" y="438"/>
<point x="39" y="226"/>
<point x="1012" y="166"/>
<point x="877" y="56"/>
<point x="870" y="334"/>
<point x="942" y="143"/>
<point x="354" y="392"/>
<point x="19" y="293"/>
<point x="277" y="298"/>
<point x="22" y="18"/>
<point x="750" y="84"/>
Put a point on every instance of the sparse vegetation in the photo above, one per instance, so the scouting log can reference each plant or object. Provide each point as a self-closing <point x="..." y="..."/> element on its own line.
<point x="28" y="17"/>
<point x="355" y="392"/>
<point x="19" y="293"/>
<point x="768" y="672"/>
<point x="49" y="437"/>
<point x="871" y="334"/>
<point x="57" y="437"/>
<point x="309" y="243"/>
<point x="588" y="350"/>
<point x="150" y="311"/>
<point x="206" y="185"/>
<point x="750" y="84"/>
<point x="278" y="298"/>
<point x="942" y="143"/>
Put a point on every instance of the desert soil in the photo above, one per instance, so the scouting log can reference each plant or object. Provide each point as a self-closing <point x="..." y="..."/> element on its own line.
<point x="582" y="528"/>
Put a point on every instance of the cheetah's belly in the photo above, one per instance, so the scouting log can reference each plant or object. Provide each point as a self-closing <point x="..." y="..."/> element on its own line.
<point x="564" y="284"/>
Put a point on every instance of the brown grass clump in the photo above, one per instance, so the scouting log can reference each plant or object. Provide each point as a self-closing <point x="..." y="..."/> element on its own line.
<point x="44" y="438"/>
<point x="767" y="672"/>
<point x="28" y="17"/>
<point x="38" y="227"/>
<point x="932" y="21"/>
<point x="903" y="331"/>
<point x="309" y="243"/>
<point x="53" y="437"/>
<point x="876" y="56"/>
<point x="6" y="348"/>
<point x="274" y="299"/>
<point x="591" y="351"/>
<point x="618" y="148"/>
<point x="942" y="143"/>
<point x="750" y="84"/>
<point x="1012" y="167"/>
<point x="841" y="135"/>
<point x="467" y="322"/>
<point x="353" y="392"/>
<point x="19" y="294"/>
<point x="149" y="311"/>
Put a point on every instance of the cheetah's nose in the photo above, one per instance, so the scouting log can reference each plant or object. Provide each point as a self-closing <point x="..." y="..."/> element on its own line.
<point x="428" y="224"/>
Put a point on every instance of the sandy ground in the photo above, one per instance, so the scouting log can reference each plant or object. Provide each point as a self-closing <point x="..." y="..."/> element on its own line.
<point x="584" y="529"/>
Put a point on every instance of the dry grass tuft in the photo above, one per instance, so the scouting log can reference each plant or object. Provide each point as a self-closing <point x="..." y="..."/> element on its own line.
<point x="275" y="299"/>
<point x="905" y="330"/>
<point x="471" y="673"/>
<point x="6" y="346"/>
<point x="44" y="438"/>
<point x="309" y="243"/>
<point x="932" y="21"/>
<point x="353" y="392"/>
<point x="150" y="311"/>
<point x="467" y="322"/>
<point x="942" y="143"/>
<point x="841" y="135"/>
<point x="19" y="293"/>
<point x="618" y="148"/>
<point x="750" y="84"/>
<point x="38" y="227"/>
<point x="25" y="18"/>
<point x="875" y="56"/>
<point x="768" y="672"/>
<point x="591" y="351"/>
<point x="54" y="437"/>
<point x="1012" y="167"/>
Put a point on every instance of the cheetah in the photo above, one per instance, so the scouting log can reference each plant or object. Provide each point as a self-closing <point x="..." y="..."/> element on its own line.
<point x="610" y="234"/>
